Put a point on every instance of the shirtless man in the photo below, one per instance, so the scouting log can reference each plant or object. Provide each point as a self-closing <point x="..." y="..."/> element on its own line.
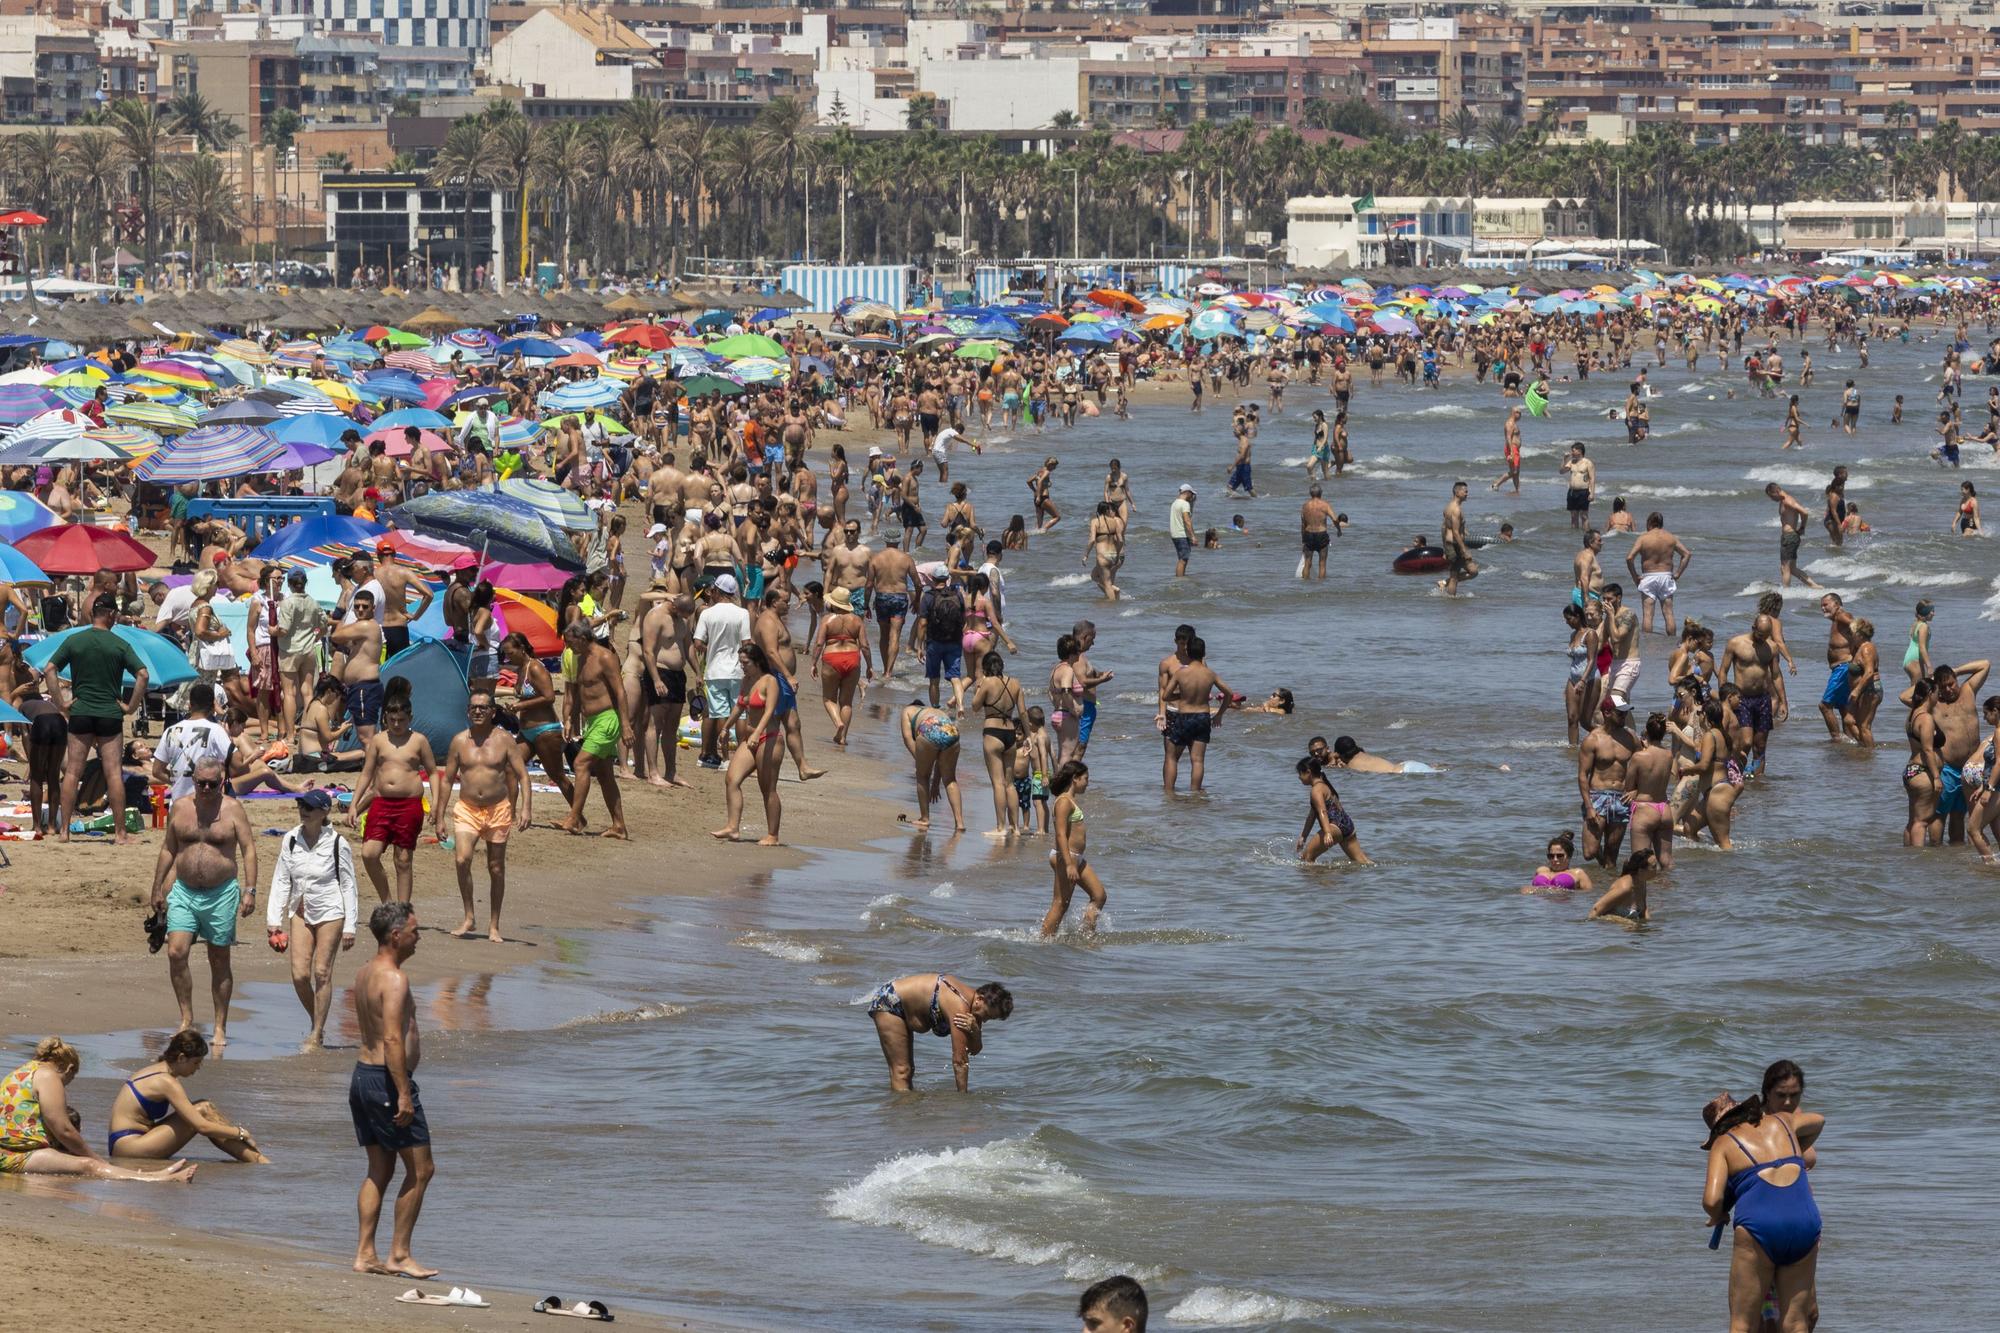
<point x="1621" y="628"/>
<point x="892" y="580"/>
<point x="1457" y="550"/>
<point x="1581" y="474"/>
<point x="1841" y="642"/>
<point x="1651" y="562"/>
<point x="391" y="794"/>
<point x="1601" y="780"/>
<point x="1185" y="720"/>
<point x="1954" y="711"/>
<point x="665" y="627"/>
<point x="1315" y="516"/>
<point x="769" y="631"/>
<point x="597" y="719"/>
<point x="1749" y="660"/>
<point x="206" y="832"/>
<point x="1511" y="449"/>
<point x="844" y="560"/>
<point x="1585" y="574"/>
<point x="1792" y="519"/>
<point x="490" y="769"/>
<point x="382" y="1093"/>
<point x="360" y="640"/>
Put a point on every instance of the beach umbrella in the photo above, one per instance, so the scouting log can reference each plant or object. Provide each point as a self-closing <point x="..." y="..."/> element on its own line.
<point x="59" y="424"/>
<point x="526" y="347"/>
<point x="21" y="513"/>
<point x="533" y="619"/>
<point x="538" y="577"/>
<point x="650" y="336"/>
<point x="423" y="363"/>
<point x="166" y="661"/>
<point x="71" y="449"/>
<point x="611" y="426"/>
<point x="423" y="418"/>
<point x="582" y="394"/>
<point x="177" y="373"/>
<point x="396" y="444"/>
<point x="697" y="385"/>
<point x="472" y="395"/>
<point x="579" y="360"/>
<point x="481" y="341"/>
<point x="747" y="344"/>
<point x="20" y="402"/>
<point x="315" y="428"/>
<point x="79" y="548"/>
<point x="242" y="412"/>
<point x="979" y="351"/>
<point x="560" y="507"/>
<point x="504" y="527"/>
<point x="759" y="369"/>
<point x="1211" y="324"/>
<point x="429" y="552"/>
<point x="210" y="452"/>
<point x="336" y="531"/>
<point x="17" y="568"/>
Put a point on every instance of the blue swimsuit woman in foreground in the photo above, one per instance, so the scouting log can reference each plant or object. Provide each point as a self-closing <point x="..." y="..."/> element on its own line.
<point x="1757" y="1164"/>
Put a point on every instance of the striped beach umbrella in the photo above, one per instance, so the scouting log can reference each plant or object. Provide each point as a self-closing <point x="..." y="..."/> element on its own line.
<point x="481" y="341"/>
<point x="162" y="417"/>
<point x="57" y="424"/>
<point x="423" y="363"/>
<point x="582" y="394"/>
<point x="177" y="373"/>
<point x="560" y="507"/>
<point x="18" y="402"/>
<point x="21" y="514"/>
<point x="242" y="349"/>
<point x="70" y="449"/>
<point x="134" y="442"/>
<point x="214" y="451"/>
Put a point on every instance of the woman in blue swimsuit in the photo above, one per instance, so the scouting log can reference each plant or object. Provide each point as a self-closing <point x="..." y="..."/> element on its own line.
<point x="939" y="1003"/>
<point x="540" y="730"/>
<point x="153" y="1117"/>
<point x="1757" y="1166"/>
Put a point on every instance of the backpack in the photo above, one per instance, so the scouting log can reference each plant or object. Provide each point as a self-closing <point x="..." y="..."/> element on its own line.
<point x="945" y="621"/>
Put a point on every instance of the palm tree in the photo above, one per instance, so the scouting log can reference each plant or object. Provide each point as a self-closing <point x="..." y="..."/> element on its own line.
<point x="466" y="162"/>
<point x="780" y="126"/>
<point x="645" y="160"/>
<point x="281" y="127"/>
<point x="205" y="203"/>
<point x="511" y="142"/>
<point x="1462" y="127"/>
<point x="552" y="165"/>
<point x="95" y="171"/>
<point x="140" y="132"/>
<point x="693" y="154"/>
<point x="191" y="114"/>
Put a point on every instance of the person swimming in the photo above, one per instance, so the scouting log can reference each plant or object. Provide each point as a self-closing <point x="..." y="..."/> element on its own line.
<point x="1348" y="754"/>
<point x="1558" y="875"/>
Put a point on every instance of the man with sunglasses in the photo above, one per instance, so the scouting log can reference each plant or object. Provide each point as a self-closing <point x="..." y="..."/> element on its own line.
<point x="206" y="832"/>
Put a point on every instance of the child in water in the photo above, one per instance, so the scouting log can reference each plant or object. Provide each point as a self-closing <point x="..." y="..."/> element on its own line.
<point x="1033" y="762"/>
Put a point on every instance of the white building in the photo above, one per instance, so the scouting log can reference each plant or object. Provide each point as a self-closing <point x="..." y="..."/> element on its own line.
<point x="1823" y="226"/>
<point x="1972" y="229"/>
<point x="1328" y="231"/>
<point x="570" y="53"/>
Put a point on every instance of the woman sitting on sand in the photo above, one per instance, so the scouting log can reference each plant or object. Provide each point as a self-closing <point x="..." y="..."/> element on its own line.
<point x="152" y="1116"/>
<point x="38" y="1131"/>
<point x="1348" y="754"/>
<point x="940" y="1003"/>
<point x="1556" y="875"/>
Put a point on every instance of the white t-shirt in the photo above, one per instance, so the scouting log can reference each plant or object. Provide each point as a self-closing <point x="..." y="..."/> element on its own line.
<point x="1180" y="518"/>
<point x="186" y="743"/>
<point x="260" y="620"/>
<point x="175" y="607"/>
<point x="997" y="587"/>
<point x="721" y="631"/>
<point x="941" y="444"/>
<point x="374" y="588"/>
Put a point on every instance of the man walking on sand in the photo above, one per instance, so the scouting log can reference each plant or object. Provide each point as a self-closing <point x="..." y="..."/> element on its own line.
<point x="382" y="1093"/>
<point x="98" y="661"/>
<point x="597" y="720"/>
<point x="206" y="832"/>
<point x="490" y="769"/>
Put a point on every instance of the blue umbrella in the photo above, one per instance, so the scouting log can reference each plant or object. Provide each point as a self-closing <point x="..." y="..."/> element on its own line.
<point x="335" y="530"/>
<point x="313" y="428"/>
<point x="582" y="394"/>
<point x="505" y="528"/>
<point x="242" y="412"/>
<point x="9" y="713"/>
<point x="22" y="340"/>
<point x="215" y="451"/>
<point x="21" y="514"/>
<point x="473" y="395"/>
<point x="166" y="661"/>
<point x="17" y="568"/>
<point x="769" y="315"/>
<point x="529" y="347"/>
<point x="714" y="319"/>
<point x="394" y="386"/>
<point x="420" y="417"/>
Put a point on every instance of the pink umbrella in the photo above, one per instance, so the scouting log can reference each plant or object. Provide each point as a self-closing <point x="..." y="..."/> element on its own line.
<point x="524" y="578"/>
<point x="437" y="390"/>
<point x="396" y="444"/>
<point x="430" y="552"/>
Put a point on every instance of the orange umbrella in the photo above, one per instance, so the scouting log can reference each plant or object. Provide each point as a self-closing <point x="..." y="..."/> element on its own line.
<point x="650" y="336"/>
<point x="534" y="619"/>
<point x="578" y="359"/>
<point x="1048" y="320"/>
<point x="1112" y="298"/>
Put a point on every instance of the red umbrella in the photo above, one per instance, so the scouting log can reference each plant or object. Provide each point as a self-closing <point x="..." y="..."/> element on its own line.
<point x="21" y="217"/>
<point x="77" y="548"/>
<point x="650" y="336"/>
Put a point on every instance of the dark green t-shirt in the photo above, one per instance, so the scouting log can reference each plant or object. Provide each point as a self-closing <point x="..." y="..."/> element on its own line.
<point x="97" y="660"/>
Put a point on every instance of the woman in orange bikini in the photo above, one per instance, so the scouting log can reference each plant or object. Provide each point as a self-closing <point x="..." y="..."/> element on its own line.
<point x="758" y="720"/>
<point x="839" y="651"/>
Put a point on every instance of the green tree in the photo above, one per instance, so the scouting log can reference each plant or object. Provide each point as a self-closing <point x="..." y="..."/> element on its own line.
<point x="205" y="204"/>
<point x="140" y="132"/>
<point x="191" y="114"/>
<point x="406" y="104"/>
<point x="282" y="127"/>
<point x="467" y="163"/>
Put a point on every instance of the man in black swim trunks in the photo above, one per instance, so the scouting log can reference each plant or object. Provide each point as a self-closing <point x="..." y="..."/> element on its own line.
<point x="1750" y="660"/>
<point x="1582" y="476"/>
<point x="1315" y="517"/>
<point x="1185" y="720"/>
<point x="382" y="1093"/>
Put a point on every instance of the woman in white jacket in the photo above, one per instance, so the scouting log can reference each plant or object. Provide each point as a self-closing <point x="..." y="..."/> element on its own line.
<point x="312" y="901"/>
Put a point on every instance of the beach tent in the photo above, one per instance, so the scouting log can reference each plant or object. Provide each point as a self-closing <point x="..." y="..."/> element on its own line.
<point x="438" y="692"/>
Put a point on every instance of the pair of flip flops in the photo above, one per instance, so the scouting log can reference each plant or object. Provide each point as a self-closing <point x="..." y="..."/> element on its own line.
<point x="464" y="1297"/>
<point x="580" y="1310"/>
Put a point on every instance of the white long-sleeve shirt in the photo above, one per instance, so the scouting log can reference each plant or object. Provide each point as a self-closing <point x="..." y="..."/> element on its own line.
<point x="313" y="881"/>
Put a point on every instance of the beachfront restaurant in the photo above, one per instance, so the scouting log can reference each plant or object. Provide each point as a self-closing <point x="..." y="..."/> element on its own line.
<point x="1334" y="231"/>
<point x="1819" y="227"/>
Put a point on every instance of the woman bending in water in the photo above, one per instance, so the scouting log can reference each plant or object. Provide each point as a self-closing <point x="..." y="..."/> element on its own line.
<point x="1625" y="901"/>
<point x="1066" y="858"/>
<point x="1556" y="876"/>
<point x="152" y="1116"/>
<point x="1757" y="1170"/>
<point x="939" y="1003"/>
<point x="1335" y="825"/>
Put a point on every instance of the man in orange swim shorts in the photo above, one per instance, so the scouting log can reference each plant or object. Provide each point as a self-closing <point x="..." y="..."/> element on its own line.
<point x="490" y="770"/>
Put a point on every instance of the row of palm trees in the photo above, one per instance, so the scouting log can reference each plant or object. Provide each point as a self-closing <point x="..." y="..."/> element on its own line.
<point x="645" y="191"/>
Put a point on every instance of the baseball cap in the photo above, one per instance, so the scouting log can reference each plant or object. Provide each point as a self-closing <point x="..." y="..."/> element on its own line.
<point x="1617" y="703"/>
<point x="1189" y="489"/>
<point x="657" y="530"/>
<point x="315" y="799"/>
<point x="725" y="584"/>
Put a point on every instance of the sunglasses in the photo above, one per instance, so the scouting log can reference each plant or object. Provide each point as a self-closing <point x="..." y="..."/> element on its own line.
<point x="208" y="786"/>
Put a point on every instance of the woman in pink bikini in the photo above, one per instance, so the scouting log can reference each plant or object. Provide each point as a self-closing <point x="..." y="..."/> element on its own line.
<point x="1647" y="778"/>
<point x="1556" y="876"/>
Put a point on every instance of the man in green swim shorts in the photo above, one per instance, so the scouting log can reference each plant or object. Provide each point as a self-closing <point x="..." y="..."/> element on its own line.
<point x="206" y="832"/>
<point x="597" y="720"/>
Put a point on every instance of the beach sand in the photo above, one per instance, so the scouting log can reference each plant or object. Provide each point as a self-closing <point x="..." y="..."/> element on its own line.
<point x="76" y="964"/>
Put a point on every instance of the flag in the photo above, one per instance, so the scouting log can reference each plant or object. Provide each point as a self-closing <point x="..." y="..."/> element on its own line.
<point x="1403" y="224"/>
<point x="1365" y="202"/>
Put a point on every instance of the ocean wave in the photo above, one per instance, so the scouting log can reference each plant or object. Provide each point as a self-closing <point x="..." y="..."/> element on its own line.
<point x="1677" y="492"/>
<point x="950" y="1198"/>
<point x="645" y="1013"/>
<point x="1537" y="576"/>
<point x="1450" y="410"/>
<point x="1217" y="1306"/>
<point x="778" y="947"/>
<point x="1841" y="567"/>
<point x="1069" y="581"/>
<point x="1382" y="474"/>
<point x="1802" y="477"/>
<point x="1798" y="592"/>
<point x="945" y="889"/>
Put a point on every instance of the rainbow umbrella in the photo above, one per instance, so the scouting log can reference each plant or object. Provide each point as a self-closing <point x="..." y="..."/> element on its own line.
<point x="19" y="402"/>
<point x="162" y="417"/>
<point x="177" y="373"/>
<point x="216" y="451"/>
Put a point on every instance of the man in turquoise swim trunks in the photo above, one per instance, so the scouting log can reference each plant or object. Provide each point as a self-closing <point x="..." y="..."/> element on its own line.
<point x="206" y="832"/>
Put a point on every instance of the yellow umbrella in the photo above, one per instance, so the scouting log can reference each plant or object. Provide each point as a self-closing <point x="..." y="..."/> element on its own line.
<point x="337" y="391"/>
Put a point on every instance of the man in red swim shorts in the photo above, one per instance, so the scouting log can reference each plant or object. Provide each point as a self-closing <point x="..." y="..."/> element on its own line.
<point x="391" y="793"/>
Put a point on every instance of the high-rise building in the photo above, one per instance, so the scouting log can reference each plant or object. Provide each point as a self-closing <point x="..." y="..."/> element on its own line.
<point x="448" y="23"/>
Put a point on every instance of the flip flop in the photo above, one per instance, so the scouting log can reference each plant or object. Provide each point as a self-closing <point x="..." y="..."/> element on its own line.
<point x="581" y="1310"/>
<point x="458" y="1296"/>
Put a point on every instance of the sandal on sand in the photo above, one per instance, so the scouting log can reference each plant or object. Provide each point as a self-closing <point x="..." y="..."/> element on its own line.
<point x="464" y="1297"/>
<point x="581" y="1310"/>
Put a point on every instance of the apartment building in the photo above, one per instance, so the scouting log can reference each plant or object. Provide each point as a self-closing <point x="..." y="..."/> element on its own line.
<point x="48" y="69"/>
<point x="244" y="80"/>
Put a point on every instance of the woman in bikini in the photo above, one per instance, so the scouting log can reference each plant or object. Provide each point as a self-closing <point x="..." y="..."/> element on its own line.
<point x="1715" y="775"/>
<point x="1072" y="868"/>
<point x="839" y="652"/>
<point x="1015" y="538"/>
<point x="1335" y="827"/>
<point x="1556" y="875"/>
<point x="938" y="1003"/>
<point x="1066" y="697"/>
<point x="977" y="638"/>
<point x="931" y="737"/>
<point x="153" y="1117"/>
<point x="1625" y="901"/>
<point x="1922" y="774"/>
<point x="837" y="477"/>
<point x="1647" y="777"/>
<point x="999" y="694"/>
<point x="38" y="1130"/>
<point x="535" y="710"/>
<point x="1105" y="549"/>
<point x="1985" y="802"/>
<point x="757" y="719"/>
<point x="1581" y="688"/>
<point x="320" y="729"/>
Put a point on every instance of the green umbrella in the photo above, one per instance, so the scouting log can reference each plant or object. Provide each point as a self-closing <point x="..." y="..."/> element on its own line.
<point x="747" y="344"/>
<point x="979" y="352"/>
<point x="694" y="386"/>
<point x="611" y="427"/>
<point x="398" y="338"/>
